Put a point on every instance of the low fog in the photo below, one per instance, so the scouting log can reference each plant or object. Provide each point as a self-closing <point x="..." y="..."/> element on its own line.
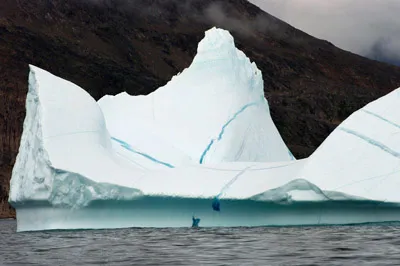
<point x="367" y="27"/>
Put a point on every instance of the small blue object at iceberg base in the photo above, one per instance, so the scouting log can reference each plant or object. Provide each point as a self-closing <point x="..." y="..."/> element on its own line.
<point x="216" y="205"/>
<point x="195" y="221"/>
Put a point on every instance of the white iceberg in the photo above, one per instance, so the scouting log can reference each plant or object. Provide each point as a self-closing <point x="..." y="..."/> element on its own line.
<point x="214" y="111"/>
<point x="203" y="145"/>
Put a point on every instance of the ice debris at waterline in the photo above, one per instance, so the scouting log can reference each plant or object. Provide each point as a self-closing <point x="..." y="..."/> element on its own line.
<point x="203" y="146"/>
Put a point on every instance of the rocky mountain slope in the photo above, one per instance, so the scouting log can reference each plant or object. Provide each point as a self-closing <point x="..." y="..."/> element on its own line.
<point x="109" y="46"/>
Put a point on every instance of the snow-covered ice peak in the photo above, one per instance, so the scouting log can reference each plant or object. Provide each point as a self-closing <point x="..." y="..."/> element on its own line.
<point x="218" y="47"/>
<point x="214" y="111"/>
<point x="218" y="44"/>
<point x="216" y="39"/>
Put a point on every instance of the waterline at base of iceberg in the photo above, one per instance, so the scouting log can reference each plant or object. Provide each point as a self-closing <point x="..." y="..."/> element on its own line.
<point x="161" y="212"/>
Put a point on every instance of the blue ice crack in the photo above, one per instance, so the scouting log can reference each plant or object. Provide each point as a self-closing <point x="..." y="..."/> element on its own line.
<point x="381" y="118"/>
<point x="220" y="135"/>
<point x="129" y="147"/>
<point x="372" y="142"/>
<point x="216" y="205"/>
<point x="233" y="180"/>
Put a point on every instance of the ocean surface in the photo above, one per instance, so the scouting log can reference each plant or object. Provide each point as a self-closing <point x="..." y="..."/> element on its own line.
<point x="331" y="245"/>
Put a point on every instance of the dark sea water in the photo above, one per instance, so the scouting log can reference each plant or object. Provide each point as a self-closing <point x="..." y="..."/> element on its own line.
<point x="333" y="245"/>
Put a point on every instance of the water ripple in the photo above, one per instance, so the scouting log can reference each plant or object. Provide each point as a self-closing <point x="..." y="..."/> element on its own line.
<point x="330" y="245"/>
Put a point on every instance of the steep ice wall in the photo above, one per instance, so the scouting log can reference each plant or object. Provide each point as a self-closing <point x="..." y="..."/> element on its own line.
<point x="362" y="156"/>
<point x="65" y="155"/>
<point x="214" y="111"/>
<point x="31" y="176"/>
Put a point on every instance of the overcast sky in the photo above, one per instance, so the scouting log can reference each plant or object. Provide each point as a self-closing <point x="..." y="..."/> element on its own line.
<point x="366" y="27"/>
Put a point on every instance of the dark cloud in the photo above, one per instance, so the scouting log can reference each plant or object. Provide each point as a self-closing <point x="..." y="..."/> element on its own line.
<point x="216" y="14"/>
<point x="366" y="27"/>
<point x="212" y="12"/>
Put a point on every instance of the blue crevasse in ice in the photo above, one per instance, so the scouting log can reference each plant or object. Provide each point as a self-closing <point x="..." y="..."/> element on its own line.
<point x="129" y="147"/>
<point x="371" y="141"/>
<point x="220" y="135"/>
<point x="381" y="117"/>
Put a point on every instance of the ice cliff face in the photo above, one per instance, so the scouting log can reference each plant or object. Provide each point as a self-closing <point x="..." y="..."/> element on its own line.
<point x="214" y="111"/>
<point x="63" y="144"/>
<point x="205" y="139"/>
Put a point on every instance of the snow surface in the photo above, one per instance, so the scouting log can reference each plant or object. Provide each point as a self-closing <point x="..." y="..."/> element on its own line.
<point x="362" y="156"/>
<point x="206" y="136"/>
<point x="212" y="112"/>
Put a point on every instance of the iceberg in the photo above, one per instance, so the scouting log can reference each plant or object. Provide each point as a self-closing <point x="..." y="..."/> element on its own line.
<point x="200" y="151"/>
<point x="212" y="112"/>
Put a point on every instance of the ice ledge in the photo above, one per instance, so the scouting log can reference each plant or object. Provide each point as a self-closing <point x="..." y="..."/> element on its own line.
<point x="176" y="212"/>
